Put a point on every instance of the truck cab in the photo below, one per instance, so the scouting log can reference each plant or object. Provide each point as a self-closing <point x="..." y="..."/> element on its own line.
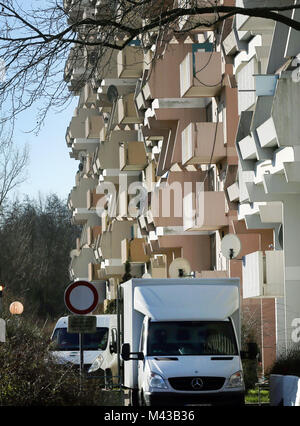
<point x="181" y="341"/>
<point x="187" y="362"/>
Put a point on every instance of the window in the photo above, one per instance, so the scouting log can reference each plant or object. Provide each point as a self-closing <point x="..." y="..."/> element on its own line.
<point x="64" y="341"/>
<point x="191" y="338"/>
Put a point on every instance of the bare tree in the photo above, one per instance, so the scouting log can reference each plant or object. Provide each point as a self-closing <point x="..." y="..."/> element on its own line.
<point x="13" y="162"/>
<point x="37" y="38"/>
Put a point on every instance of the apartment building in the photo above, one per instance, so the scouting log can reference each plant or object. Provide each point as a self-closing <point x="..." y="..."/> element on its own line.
<point x="266" y="187"/>
<point x="179" y="145"/>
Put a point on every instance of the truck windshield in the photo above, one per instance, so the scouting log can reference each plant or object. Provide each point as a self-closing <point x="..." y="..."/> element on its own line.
<point x="191" y="338"/>
<point x="64" y="341"/>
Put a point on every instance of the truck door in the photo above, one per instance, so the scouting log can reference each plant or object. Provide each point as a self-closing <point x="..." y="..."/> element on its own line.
<point x="142" y="348"/>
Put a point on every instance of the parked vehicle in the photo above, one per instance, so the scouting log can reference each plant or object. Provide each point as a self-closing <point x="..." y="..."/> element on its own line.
<point x="108" y="360"/>
<point x="65" y="346"/>
<point x="180" y="341"/>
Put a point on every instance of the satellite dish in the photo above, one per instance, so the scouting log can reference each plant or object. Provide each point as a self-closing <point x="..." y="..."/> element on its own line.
<point x="112" y="93"/>
<point x="231" y="246"/>
<point x="280" y="236"/>
<point x="179" y="268"/>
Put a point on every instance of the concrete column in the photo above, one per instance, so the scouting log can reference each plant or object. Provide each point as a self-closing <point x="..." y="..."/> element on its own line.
<point x="291" y="240"/>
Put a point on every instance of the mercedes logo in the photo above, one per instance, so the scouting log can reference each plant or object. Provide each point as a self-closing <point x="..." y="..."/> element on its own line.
<point x="197" y="383"/>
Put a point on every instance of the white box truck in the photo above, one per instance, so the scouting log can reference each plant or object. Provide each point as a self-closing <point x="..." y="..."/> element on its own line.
<point x="65" y="346"/>
<point x="180" y="341"/>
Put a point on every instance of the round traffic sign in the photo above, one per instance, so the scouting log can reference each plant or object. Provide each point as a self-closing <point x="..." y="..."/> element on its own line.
<point x="81" y="297"/>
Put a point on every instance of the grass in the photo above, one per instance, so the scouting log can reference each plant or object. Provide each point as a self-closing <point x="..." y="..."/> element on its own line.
<point x="252" y="396"/>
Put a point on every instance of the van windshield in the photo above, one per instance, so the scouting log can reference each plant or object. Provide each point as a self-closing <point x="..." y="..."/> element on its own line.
<point x="191" y="338"/>
<point x="64" y="341"/>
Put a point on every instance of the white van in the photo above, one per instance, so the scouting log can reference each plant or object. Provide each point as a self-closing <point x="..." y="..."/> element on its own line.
<point x="106" y="362"/>
<point x="65" y="346"/>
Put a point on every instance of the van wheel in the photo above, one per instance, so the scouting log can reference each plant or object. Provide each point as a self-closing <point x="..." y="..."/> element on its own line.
<point x="108" y="379"/>
<point x="134" y="398"/>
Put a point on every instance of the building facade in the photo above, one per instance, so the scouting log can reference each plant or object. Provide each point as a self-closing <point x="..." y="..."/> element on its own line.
<point x="181" y="144"/>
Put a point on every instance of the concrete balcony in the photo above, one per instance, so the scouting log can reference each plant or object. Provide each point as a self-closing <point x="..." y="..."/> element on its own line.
<point x="93" y="126"/>
<point x="248" y="148"/>
<point x="192" y="23"/>
<point x="198" y="140"/>
<point x="127" y="113"/>
<point x="212" y="274"/>
<point x="159" y="266"/>
<point x="232" y="44"/>
<point x="130" y="62"/>
<point x="252" y="24"/>
<point x="93" y="233"/>
<point x="105" y="8"/>
<point x="233" y="192"/>
<point x="201" y="74"/>
<point x="88" y="145"/>
<point x="75" y="9"/>
<point x="207" y="213"/>
<point x="134" y="251"/>
<point x="124" y="86"/>
<point x="79" y="266"/>
<point x="275" y="129"/>
<point x="88" y="97"/>
<point x="82" y="215"/>
<point x="78" y="195"/>
<point x="267" y="135"/>
<point x="263" y="274"/>
<point x="93" y="198"/>
<point x="77" y="126"/>
<point x="94" y="271"/>
<point x="77" y="69"/>
<point x="110" y="243"/>
<point x="132" y="156"/>
<point x="107" y="155"/>
<point x="150" y="176"/>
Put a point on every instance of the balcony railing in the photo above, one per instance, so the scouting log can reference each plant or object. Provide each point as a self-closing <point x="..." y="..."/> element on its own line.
<point x="93" y="233"/>
<point x="206" y="212"/>
<point x="127" y="113"/>
<point x="201" y="74"/>
<point x="134" y="251"/>
<point x="198" y="140"/>
<point x="263" y="274"/>
<point x="132" y="156"/>
<point x="130" y="62"/>
<point x="159" y="266"/>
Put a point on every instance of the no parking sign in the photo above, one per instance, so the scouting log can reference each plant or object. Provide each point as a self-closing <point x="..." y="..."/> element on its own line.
<point x="81" y="297"/>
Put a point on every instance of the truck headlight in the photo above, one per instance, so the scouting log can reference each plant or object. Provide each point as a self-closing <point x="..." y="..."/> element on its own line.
<point x="156" y="381"/>
<point x="96" y="364"/>
<point x="236" y="380"/>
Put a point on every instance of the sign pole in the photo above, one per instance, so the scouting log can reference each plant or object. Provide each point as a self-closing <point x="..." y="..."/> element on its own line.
<point x="81" y="358"/>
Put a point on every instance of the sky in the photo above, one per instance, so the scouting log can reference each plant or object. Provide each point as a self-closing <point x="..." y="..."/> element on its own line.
<point x="50" y="168"/>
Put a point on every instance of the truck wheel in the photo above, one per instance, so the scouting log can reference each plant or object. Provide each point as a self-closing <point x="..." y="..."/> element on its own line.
<point x="108" y="379"/>
<point x="134" y="398"/>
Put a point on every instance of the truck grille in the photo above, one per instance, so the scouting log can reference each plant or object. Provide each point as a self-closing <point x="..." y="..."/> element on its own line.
<point x="196" y="383"/>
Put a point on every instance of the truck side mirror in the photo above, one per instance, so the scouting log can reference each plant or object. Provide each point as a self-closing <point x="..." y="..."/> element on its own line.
<point x="125" y="351"/>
